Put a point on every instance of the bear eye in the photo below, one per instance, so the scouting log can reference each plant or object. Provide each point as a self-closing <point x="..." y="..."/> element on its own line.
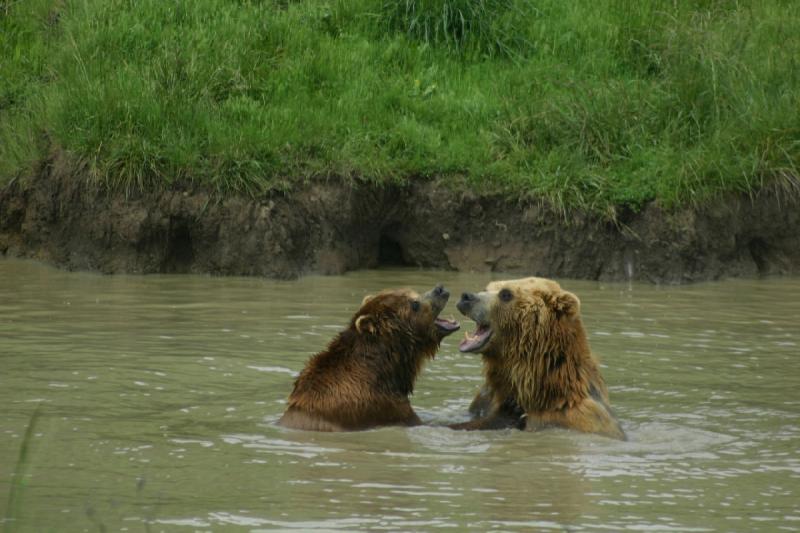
<point x="415" y="306"/>
<point x="506" y="295"/>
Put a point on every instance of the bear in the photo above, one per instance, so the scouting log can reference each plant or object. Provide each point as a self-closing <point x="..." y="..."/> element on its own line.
<point x="365" y="376"/>
<point x="540" y="371"/>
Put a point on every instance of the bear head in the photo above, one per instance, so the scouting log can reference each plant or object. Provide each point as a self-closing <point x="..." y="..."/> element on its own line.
<point x="518" y="317"/>
<point x="404" y="319"/>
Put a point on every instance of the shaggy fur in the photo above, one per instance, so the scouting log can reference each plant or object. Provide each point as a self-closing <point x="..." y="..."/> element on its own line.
<point x="539" y="368"/>
<point x="364" y="377"/>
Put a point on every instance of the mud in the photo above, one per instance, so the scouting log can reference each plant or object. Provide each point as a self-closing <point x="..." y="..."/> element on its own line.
<point x="330" y="228"/>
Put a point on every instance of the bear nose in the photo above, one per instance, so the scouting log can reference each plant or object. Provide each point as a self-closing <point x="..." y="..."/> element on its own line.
<point x="439" y="291"/>
<point x="465" y="304"/>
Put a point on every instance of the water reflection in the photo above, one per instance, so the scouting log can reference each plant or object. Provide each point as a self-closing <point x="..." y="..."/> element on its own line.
<point x="158" y="397"/>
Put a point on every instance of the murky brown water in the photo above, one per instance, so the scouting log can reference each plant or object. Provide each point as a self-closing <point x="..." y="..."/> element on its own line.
<point x="157" y="398"/>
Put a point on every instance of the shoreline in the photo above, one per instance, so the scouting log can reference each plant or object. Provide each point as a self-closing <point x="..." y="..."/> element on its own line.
<point x="332" y="228"/>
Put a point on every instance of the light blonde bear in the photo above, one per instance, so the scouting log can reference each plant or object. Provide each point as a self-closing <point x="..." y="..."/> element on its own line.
<point x="540" y="371"/>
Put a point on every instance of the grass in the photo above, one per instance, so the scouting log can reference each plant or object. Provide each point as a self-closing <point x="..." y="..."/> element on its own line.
<point x="590" y="105"/>
<point x="21" y="471"/>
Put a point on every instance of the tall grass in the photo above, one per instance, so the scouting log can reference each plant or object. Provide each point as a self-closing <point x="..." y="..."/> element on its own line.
<point x="472" y="28"/>
<point x="21" y="471"/>
<point x="587" y="104"/>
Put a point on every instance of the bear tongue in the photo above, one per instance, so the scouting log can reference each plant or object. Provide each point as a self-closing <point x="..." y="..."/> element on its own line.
<point x="475" y="340"/>
<point x="447" y="325"/>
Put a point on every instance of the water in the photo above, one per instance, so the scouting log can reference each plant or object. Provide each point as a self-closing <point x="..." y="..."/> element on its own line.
<point x="157" y="398"/>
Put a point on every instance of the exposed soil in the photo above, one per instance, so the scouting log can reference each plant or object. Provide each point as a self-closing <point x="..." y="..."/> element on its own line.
<point x="331" y="228"/>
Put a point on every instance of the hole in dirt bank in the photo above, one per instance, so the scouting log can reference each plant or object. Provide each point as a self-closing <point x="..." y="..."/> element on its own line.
<point x="179" y="255"/>
<point x="759" y="251"/>
<point x="390" y="252"/>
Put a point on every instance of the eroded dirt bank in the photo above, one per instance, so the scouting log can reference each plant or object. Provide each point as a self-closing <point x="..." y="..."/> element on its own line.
<point x="331" y="228"/>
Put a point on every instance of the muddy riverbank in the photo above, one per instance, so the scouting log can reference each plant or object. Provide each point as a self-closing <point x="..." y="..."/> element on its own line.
<point x="330" y="228"/>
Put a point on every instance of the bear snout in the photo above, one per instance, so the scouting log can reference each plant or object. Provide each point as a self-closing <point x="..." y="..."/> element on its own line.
<point x="465" y="304"/>
<point x="438" y="297"/>
<point x="440" y="292"/>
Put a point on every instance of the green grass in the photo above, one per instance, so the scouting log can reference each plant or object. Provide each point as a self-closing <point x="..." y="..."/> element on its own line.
<point x="21" y="471"/>
<point x="592" y="105"/>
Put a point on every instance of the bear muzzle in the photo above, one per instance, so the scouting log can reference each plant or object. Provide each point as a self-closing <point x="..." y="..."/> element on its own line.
<point x="475" y="307"/>
<point x="438" y="297"/>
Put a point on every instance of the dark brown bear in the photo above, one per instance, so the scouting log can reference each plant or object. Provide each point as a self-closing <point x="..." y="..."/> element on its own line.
<point x="540" y="371"/>
<point x="364" y="378"/>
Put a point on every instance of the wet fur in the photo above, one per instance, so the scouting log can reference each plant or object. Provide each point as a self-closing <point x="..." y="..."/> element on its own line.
<point x="539" y="366"/>
<point x="364" y="377"/>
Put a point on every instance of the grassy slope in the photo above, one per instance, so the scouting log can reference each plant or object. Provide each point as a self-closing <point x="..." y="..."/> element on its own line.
<point x="589" y="104"/>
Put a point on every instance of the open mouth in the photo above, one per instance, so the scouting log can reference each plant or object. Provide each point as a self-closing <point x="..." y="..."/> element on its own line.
<point x="475" y="341"/>
<point x="446" y="326"/>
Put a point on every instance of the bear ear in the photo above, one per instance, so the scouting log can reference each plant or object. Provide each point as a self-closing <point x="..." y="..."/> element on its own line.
<point x="565" y="304"/>
<point x="367" y="298"/>
<point x="366" y="324"/>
